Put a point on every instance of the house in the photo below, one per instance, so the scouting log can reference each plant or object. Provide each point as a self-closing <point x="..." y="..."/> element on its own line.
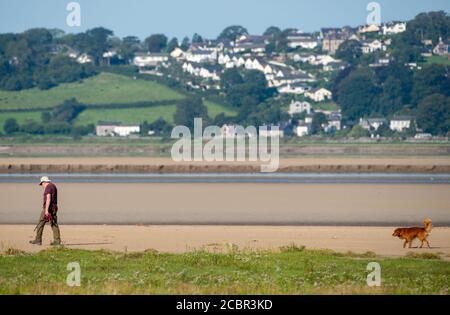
<point x="177" y="53"/>
<point x="309" y="118"/>
<point x="319" y="94"/>
<point x="393" y="28"/>
<point x="303" y="129"/>
<point x="293" y="88"/>
<point x="334" y="122"/>
<point x="443" y="48"/>
<point x="302" y="40"/>
<point x="200" y="56"/>
<point x="149" y="59"/>
<point x="371" y="28"/>
<point x="284" y="77"/>
<point x="84" y="58"/>
<point x="423" y="136"/>
<point x="401" y="123"/>
<point x="201" y="70"/>
<point x="257" y="48"/>
<point x="299" y="107"/>
<point x="372" y="123"/>
<point x="332" y="38"/>
<point x="368" y="47"/>
<point x="115" y="129"/>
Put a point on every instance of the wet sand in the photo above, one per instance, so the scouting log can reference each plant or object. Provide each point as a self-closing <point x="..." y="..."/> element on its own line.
<point x="232" y="203"/>
<point x="177" y="239"/>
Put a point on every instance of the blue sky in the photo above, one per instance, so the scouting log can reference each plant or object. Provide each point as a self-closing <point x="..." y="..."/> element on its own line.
<point x="206" y="17"/>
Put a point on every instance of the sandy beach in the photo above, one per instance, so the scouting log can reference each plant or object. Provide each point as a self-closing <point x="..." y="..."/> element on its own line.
<point x="177" y="239"/>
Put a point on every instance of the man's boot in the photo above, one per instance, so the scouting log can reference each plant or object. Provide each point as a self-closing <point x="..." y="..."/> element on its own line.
<point x="55" y="243"/>
<point x="36" y="242"/>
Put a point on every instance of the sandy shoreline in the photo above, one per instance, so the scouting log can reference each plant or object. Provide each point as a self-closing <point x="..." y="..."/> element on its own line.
<point x="178" y="239"/>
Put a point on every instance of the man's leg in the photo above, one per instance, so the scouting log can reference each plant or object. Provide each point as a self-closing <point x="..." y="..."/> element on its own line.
<point x="55" y="229"/>
<point x="39" y="229"/>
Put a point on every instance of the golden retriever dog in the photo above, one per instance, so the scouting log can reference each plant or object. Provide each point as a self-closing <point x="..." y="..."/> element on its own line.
<point x="409" y="234"/>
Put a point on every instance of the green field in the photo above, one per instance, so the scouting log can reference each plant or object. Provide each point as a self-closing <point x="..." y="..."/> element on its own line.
<point x="105" y="88"/>
<point x="21" y="117"/>
<point x="293" y="270"/>
<point x="439" y="60"/>
<point x="138" y="115"/>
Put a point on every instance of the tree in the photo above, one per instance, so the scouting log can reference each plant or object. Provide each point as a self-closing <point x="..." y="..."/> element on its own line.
<point x="172" y="45"/>
<point x="319" y="119"/>
<point x="96" y="42"/>
<point x="349" y="51"/>
<point x="188" y="109"/>
<point x="391" y="99"/>
<point x="358" y="94"/>
<point x="231" y="33"/>
<point x="67" y="111"/>
<point x="272" y="31"/>
<point x="197" y="39"/>
<point x="433" y="114"/>
<point x="359" y="132"/>
<point x="11" y="126"/>
<point x="185" y="44"/>
<point x="128" y="47"/>
<point x="431" y="79"/>
<point x="156" y="43"/>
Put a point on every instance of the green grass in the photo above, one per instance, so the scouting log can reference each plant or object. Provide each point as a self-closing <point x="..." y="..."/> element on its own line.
<point x="127" y="115"/>
<point x="325" y="106"/>
<point x="21" y="117"/>
<point x="293" y="270"/>
<point x="439" y="60"/>
<point x="105" y="88"/>
<point x="138" y="115"/>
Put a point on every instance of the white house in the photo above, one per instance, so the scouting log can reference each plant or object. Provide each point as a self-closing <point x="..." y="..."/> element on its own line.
<point x="305" y="41"/>
<point x="394" y="28"/>
<point x="177" y="53"/>
<point x="372" y="123"/>
<point x="200" y="70"/>
<point x="372" y="46"/>
<point x="319" y="95"/>
<point x="293" y="88"/>
<point x="442" y="48"/>
<point x="299" y="107"/>
<point x="371" y="28"/>
<point x="302" y="129"/>
<point x="115" y="129"/>
<point x="149" y="59"/>
<point x="401" y="123"/>
<point x="334" y="122"/>
<point x="200" y="56"/>
<point x="84" y="58"/>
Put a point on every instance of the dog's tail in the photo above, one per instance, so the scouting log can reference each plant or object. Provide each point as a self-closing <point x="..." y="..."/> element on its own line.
<point x="428" y="224"/>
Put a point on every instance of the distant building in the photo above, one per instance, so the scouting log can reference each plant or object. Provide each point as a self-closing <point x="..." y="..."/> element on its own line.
<point x="372" y="123"/>
<point x="200" y="56"/>
<point x="149" y="59"/>
<point x="394" y="28"/>
<point x="113" y="129"/>
<point x="401" y="123"/>
<point x="371" y="28"/>
<point x="319" y="94"/>
<point x="334" y="122"/>
<point x="368" y="47"/>
<point x="293" y="88"/>
<point x="443" y="48"/>
<point x="299" y="107"/>
<point x="302" y="129"/>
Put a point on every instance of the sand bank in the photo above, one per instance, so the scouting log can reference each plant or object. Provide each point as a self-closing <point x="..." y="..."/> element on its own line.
<point x="177" y="239"/>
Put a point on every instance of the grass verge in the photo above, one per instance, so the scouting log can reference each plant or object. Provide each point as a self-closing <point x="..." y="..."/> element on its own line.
<point x="292" y="270"/>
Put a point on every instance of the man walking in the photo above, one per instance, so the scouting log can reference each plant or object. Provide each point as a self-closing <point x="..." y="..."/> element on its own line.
<point x="49" y="212"/>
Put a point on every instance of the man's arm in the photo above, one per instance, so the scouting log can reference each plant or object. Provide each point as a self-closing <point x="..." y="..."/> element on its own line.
<point x="47" y="203"/>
